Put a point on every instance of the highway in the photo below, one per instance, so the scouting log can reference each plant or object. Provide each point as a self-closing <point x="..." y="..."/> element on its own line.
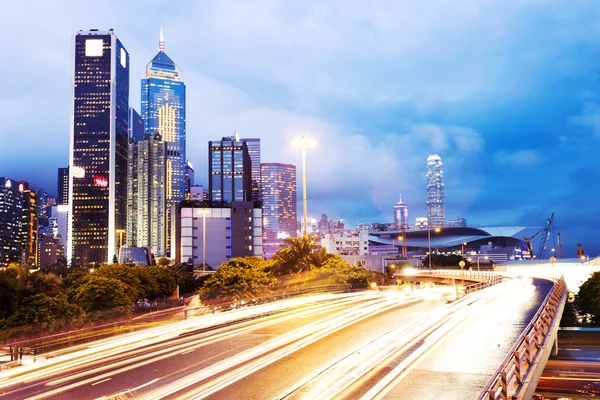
<point x="370" y="345"/>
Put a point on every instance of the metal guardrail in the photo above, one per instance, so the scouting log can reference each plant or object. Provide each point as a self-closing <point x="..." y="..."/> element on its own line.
<point x="457" y="273"/>
<point x="516" y="369"/>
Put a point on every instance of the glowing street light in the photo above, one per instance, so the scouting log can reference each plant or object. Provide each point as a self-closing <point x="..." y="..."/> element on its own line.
<point x="436" y="230"/>
<point x="485" y="258"/>
<point x="304" y="143"/>
<point x="463" y="247"/>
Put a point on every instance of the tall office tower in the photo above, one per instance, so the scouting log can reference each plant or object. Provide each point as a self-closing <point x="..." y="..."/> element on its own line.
<point x="163" y="111"/>
<point x="189" y="179"/>
<point x="29" y="227"/>
<point x="279" y="200"/>
<point x="18" y="223"/>
<point x="229" y="171"/>
<point x="400" y="213"/>
<point x="151" y="209"/>
<point x="98" y="162"/>
<point x="254" y="152"/>
<point x="436" y="207"/>
<point x="62" y="191"/>
<point x="136" y="133"/>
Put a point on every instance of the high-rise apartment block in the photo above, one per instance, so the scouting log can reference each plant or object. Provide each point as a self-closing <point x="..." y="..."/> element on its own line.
<point x="436" y="206"/>
<point x="62" y="191"/>
<point x="99" y="145"/>
<point x="18" y="223"/>
<point x="279" y="200"/>
<point x="400" y="214"/>
<point x="229" y="171"/>
<point x="163" y="111"/>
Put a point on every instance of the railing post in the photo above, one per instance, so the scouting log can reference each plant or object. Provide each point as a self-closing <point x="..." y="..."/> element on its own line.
<point x="503" y="384"/>
<point x="517" y="368"/>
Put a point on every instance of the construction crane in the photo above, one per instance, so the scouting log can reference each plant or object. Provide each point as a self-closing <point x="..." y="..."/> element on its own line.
<point x="545" y="232"/>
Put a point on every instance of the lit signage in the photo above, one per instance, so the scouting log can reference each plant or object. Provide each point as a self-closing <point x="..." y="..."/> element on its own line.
<point x="94" y="47"/>
<point x="100" y="181"/>
<point x="78" y="172"/>
<point x="123" y="58"/>
<point x="7" y="183"/>
<point x="21" y="187"/>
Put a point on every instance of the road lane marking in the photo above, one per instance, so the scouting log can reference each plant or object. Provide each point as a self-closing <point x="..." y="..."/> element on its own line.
<point x="99" y="382"/>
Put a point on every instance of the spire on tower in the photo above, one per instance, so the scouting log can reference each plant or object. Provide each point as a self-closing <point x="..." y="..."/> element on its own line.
<point x="161" y="41"/>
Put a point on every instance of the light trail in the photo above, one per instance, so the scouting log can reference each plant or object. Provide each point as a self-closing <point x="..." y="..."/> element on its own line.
<point x="164" y="353"/>
<point x="295" y="340"/>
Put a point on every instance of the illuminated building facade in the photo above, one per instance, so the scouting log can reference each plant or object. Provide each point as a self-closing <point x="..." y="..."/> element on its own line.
<point x="400" y="214"/>
<point x="163" y="111"/>
<point x="436" y="206"/>
<point x="254" y="153"/>
<point x="229" y="171"/>
<point x="279" y="200"/>
<point x="149" y="200"/>
<point x="99" y="144"/>
<point x="189" y="179"/>
<point x="18" y="223"/>
<point x="62" y="191"/>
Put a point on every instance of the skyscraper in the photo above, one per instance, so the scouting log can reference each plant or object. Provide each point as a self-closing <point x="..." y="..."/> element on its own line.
<point x="279" y="200"/>
<point x="400" y="213"/>
<point x="150" y="212"/>
<point x="98" y="159"/>
<point x="436" y="206"/>
<point x="189" y="179"/>
<point x="254" y="152"/>
<point x="229" y="171"/>
<point x="163" y="111"/>
<point x="62" y="191"/>
<point x="18" y="223"/>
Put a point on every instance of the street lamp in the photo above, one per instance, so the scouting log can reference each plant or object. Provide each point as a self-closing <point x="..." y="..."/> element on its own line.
<point x="436" y="230"/>
<point x="304" y="143"/>
<point x="485" y="258"/>
<point x="120" y="232"/>
<point x="463" y="248"/>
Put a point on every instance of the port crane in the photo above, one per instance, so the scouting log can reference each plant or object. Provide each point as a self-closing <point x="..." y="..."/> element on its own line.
<point x="544" y="234"/>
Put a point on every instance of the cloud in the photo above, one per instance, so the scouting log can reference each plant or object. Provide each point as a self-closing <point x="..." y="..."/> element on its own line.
<point x="590" y="118"/>
<point x="519" y="158"/>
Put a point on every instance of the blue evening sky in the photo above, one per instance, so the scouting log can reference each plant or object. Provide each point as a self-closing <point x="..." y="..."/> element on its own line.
<point x="506" y="92"/>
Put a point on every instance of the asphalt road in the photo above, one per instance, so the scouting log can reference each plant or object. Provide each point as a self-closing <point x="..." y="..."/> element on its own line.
<point x="397" y="346"/>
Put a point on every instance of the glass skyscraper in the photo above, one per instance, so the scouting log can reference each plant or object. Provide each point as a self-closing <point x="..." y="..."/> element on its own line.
<point x="254" y="152"/>
<point x="279" y="200"/>
<point x="436" y="206"/>
<point x="229" y="171"/>
<point x="63" y="186"/>
<point x="163" y="111"/>
<point x="99" y="141"/>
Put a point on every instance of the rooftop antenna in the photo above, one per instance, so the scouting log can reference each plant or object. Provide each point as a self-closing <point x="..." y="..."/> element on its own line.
<point x="161" y="41"/>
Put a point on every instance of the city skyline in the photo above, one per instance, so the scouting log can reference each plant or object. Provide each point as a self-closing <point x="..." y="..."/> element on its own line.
<point x="515" y="124"/>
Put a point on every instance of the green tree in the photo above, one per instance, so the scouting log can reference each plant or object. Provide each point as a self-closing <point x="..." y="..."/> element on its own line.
<point x="163" y="261"/>
<point x="125" y="274"/>
<point x="166" y="280"/>
<point x="298" y="255"/>
<point x="587" y="300"/>
<point x="115" y="260"/>
<point x="101" y="293"/>
<point x="53" y="311"/>
<point x="41" y="282"/>
<point x="238" y="279"/>
<point x="336" y="271"/>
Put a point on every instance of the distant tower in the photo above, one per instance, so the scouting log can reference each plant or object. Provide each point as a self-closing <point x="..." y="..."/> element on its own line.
<point x="400" y="213"/>
<point x="229" y="171"/>
<point x="436" y="206"/>
<point x="164" y="112"/>
<point x="254" y="152"/>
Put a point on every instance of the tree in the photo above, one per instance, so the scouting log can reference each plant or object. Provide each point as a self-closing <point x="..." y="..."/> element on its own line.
<point x="587" y="300"/>
<point x="101" y="293"/>
<point x="127" y="275"/>
<point x="166" y="280"/>
<point x="115" y="260"/>
<point x="163" y="261"/>
<point x="298" y="255"/>
<point x="336" y="271"/>
<point x="41" y="308"/>
<point x="239" y="279"/>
